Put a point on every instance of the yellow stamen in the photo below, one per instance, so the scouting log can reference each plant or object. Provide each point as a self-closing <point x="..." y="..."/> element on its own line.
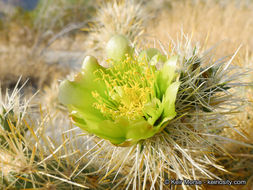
<point x="129" y="86"/>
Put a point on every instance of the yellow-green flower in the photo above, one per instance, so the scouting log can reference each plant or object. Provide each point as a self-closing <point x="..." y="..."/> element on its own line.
<point x="130" y="101"/>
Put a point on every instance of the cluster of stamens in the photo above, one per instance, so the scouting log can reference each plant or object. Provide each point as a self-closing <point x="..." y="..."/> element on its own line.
<point x="129" y="87"/>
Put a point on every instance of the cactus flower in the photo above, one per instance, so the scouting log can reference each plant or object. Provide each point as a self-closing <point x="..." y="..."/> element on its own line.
<point x="128" y="102"/>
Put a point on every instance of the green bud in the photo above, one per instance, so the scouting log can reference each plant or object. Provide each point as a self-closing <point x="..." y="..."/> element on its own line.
<point x="117" y="48"/>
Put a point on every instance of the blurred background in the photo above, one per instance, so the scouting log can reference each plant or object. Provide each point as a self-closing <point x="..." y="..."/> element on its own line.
<point x="43" y="40"/>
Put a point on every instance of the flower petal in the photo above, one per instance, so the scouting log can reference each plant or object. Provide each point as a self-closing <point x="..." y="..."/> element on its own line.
<point x="169" y="102"/>
<point x="140" y="129"/>
<point x="165" y="76"/>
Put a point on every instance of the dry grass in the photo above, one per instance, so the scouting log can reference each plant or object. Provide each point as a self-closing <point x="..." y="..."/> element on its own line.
<point x="16" y="62"/>
<point x="24" y="35"/>
<point x="209" y="23"/>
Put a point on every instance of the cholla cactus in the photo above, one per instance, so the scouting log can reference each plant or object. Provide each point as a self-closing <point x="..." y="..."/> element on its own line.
<point x="12" y="112"/>
<point x="31" y="159"/>
<point x="168" y="109"/>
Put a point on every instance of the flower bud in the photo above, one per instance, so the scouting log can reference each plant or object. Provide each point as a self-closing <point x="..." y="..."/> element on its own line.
<point x="117" y="48"/>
